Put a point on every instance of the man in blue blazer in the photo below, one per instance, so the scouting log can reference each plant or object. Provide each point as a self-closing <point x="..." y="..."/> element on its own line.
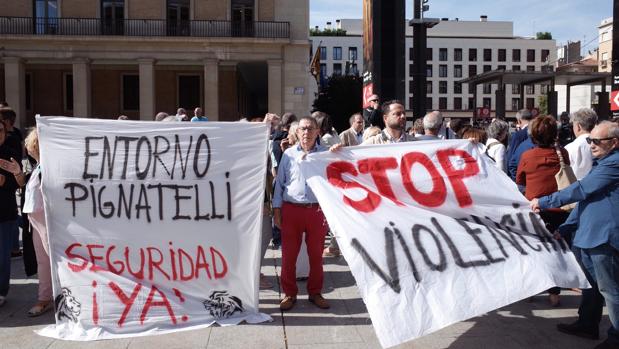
<point x="595" y="225"/>
<point x="523" y="117"/>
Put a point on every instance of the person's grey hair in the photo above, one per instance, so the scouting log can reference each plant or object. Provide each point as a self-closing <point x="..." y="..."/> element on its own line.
<point x="433" y="120"/>
<point x="497" y="128"/>
<point x="351" y="120"/>
<point x="318" y="114"/>
<point x="585" y="117"/>
<point x="524" y="114"/>
<point x="170" y="118"/>
<point x="160" y="116"/>
<point x="292" y="130"/>
<point x="613" y="128"/>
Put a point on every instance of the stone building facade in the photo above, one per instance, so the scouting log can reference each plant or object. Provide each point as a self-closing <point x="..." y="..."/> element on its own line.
<point x="103" y="58"/>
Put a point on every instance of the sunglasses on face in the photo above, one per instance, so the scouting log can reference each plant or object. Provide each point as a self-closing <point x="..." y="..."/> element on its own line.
<point x="597" y="141"/>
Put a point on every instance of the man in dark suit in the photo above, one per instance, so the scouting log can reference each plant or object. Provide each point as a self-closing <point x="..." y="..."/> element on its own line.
<point x="523" y="117"/>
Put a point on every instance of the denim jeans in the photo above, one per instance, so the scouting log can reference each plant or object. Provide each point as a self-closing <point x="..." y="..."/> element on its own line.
<point x="601" y="266"/>
<point x="6" y="244"/>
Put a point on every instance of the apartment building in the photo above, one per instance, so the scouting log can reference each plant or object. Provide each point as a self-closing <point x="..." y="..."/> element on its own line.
<point x="102" y="58"/>
<point x="605" y="41"/>
<point x="456" y="50"/>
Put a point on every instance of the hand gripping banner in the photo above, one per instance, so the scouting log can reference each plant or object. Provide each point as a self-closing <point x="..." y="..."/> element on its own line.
<point x="434" y="234"/>
<point x="153" y="227"/>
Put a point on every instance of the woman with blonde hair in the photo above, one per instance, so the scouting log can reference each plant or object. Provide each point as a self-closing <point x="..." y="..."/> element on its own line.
<point x="33" y="205"/>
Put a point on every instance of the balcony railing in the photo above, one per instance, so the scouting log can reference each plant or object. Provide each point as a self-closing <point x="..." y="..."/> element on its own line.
<point x="142" y="27"/>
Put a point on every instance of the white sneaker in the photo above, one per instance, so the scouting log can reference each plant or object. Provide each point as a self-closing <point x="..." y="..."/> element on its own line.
<point x="2" y="300"/>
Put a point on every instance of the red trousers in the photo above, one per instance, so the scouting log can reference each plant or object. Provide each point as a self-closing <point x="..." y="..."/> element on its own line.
<point x="297" y="219"/>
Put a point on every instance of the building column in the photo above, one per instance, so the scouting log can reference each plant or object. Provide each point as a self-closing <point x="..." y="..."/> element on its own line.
<point x="81" y="88"/>
<point x="147" y="89"/>
<point x="15" y="87"/>
<point x="211" y="89"/>
<point x="275" y="98"/>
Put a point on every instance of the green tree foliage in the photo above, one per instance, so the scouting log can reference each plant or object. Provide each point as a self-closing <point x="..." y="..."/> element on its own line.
<point x="542" y="102"/>
<point x="340" y="98"/>
<point x="327" y="32"/>
<point x="543" y="36"/>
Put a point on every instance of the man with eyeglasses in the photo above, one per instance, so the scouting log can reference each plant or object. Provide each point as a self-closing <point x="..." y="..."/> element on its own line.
<point x="394" y="118"/>
<point x="372" y="114"/>
<point x="595" y="225"/>
<point x="295" y="211"/>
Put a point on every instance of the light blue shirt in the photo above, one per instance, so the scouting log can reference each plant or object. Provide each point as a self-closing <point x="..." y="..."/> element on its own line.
<point x="199" y="118"/>
<point x="594" y="220"/>
<point x="290" y="185"/>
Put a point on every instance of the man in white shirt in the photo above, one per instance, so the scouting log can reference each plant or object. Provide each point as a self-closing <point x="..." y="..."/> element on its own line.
<point x="583" y="121"/>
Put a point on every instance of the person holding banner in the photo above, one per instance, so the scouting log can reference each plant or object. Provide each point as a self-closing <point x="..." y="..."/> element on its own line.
<point x="536" y="172"/>
<point x="33" y="205"/>
<point x="296" y="210"/>
<point x="595" y="226"/>
<point x="11" y="177"/>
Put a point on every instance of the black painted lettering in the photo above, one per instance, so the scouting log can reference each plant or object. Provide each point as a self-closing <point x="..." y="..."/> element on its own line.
<point x="474" y="234"/>
<point x="178" y="198"/>
<point x="196" y="158"/>
<point x="123" y="202"/>
<point x="126" y="141"/>
<point x="142" y="203"/>
<point x="138" y="154"/>
<point x="107" y="205"/>
<point x="199" y="216"/>
<point x="157" y="153"/>
<point x="179" y="155"/>
<point x="87" y="155"/>
<point x="442" y="264"/>
<point x="454" y="249"/>
<point x="214" y="214"/>
<point x="72" y="197"/>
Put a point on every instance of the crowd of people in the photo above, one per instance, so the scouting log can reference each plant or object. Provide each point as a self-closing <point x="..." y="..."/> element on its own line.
<point x="567" y="168"/>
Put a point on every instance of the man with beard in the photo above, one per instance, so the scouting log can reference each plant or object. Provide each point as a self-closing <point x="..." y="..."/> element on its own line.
<point x="395" y="122"/>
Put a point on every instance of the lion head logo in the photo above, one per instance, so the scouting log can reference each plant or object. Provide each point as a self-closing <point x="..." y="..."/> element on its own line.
<point x="222" y="305"/>
<point x="67" y="306"/>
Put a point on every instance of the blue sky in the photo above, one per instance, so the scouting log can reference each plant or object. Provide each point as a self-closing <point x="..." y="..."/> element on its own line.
<point x="566" y="19"/>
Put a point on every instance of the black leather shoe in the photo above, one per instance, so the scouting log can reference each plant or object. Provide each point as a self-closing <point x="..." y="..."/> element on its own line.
<point x="576" y="329"/>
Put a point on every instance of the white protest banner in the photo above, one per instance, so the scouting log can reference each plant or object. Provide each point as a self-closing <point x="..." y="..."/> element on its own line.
<point x="154" y="227"/>
<point x="434" y="234"/>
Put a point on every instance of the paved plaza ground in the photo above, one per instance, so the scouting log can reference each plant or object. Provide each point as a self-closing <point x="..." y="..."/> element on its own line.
<point x="526" y="324"/>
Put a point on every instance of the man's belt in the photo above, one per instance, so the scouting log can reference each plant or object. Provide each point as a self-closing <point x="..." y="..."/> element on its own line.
<point x="309" y="205"/>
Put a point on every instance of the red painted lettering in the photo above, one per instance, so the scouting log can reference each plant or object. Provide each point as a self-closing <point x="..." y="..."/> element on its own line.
<point x="437" y="195"/>
<point x="110" y="264"/>
<point x="224" y="265"/>
<point x="201" y="263"/>
<point x="127" y="301"/>
<point x="182" y="256"/>
<point x="162" y="303"/>
<point x="455" y="176"/>
<point x="140" y="274"/>
<point x="155" y="264"/>
<point x="377" y="168"/>
<point x="94" y="258"/>
<point x="75" y="267"/>
<point x="334" y="175"/>
<point x="95" y="305"/>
